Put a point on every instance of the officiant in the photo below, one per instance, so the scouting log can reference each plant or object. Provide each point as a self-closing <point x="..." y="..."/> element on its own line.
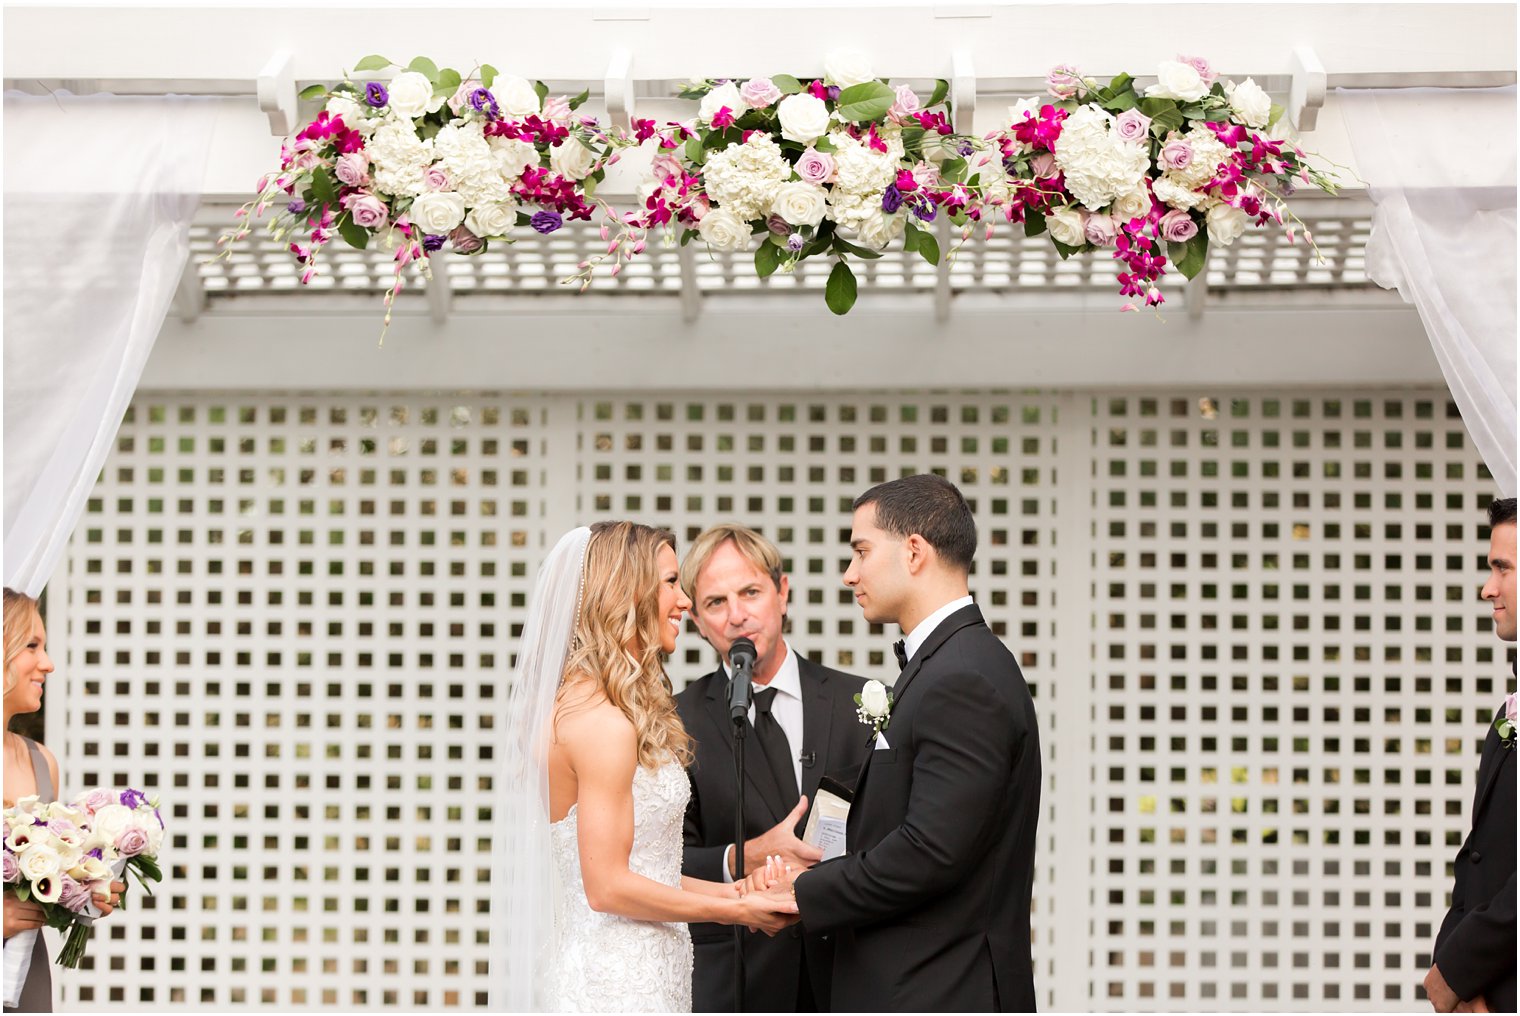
<point x="802" y="726"/>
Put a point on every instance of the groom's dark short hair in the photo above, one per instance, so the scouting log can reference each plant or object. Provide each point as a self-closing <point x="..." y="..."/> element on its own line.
<point x="1501" y="511"/>
<point x="930" y="506"/>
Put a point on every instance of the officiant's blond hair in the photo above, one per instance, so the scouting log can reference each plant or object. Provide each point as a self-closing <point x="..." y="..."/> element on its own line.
<point x="753" y="547"/>
<point x="617" y="635"/>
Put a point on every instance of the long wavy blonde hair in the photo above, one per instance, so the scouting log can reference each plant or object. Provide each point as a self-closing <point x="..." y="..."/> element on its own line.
<point x="21" y="616"/>
<point x="617" y="636"/>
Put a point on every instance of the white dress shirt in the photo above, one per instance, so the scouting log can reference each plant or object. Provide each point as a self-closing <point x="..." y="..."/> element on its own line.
<point x="914" y="640"/>
<point x="786" y="708"/>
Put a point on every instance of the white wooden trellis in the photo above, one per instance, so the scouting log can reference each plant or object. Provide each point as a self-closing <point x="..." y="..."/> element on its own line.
<point x="291" y="615"/>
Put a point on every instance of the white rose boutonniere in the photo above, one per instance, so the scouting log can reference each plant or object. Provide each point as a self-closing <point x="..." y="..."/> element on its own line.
<point x="875" y="706"/>
<point x="1506" y="720"/>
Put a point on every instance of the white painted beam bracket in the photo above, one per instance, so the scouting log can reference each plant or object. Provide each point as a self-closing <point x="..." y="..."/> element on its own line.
<point x="277" y="94"/>
<point x="1307" y="95"/>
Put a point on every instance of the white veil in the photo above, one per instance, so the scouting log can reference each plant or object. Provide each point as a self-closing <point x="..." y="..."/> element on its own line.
<point x="524" y="887"/>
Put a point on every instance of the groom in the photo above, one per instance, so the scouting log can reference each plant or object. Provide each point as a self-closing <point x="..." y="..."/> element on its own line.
<point x="930" y="906"/>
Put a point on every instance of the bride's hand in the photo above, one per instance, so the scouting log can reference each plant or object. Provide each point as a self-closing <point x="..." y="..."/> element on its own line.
<point x="768" y="911"/>
<point x="775" y="872"/>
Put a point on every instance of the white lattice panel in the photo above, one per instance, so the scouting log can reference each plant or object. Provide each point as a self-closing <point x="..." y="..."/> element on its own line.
<point x="291" y="615"/>
<point x="1291" y="678"/>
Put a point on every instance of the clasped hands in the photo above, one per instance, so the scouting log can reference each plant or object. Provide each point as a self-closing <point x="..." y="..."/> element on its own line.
<point x="771" y="886"/>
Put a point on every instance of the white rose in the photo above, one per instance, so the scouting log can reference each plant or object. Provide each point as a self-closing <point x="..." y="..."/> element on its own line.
<point x="108" y="824"/>
<point x="484" y="220"/>
<point x="846" y="67"/>
<point x="1066" y="226"/>
<point x="411" y="95"/>
<point x="803" y="118"/>
<point x="724" y="95"/>
<point x="355" y="115"/>
<point x="1132" y="204"/>
<point x="1225" y="224"/>
<point x="1175" y="80"/>
<point x="1250" y="103"/>
<point x="436" y="213"/>
<point x="155" y="837"/>
<point x="873" y="698"/>
<point x="800" y="203"/>
<point x="571" y="159"/>
<point x="724" y="231"/>
<point x="39" y="861"/>
<point x="515" y="95"/>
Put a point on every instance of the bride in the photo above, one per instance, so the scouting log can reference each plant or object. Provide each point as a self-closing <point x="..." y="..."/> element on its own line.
<point x="589" y="905"/>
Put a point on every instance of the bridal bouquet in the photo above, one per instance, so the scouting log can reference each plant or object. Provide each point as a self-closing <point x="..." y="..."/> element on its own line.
<point x="842" y="166"/>
<point x="60" y="855"/>
<point x="1191" y="161"/>
<point x="429" y="159"/>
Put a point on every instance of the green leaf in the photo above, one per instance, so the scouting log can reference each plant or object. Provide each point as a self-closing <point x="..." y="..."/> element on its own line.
<point x="767" y="259"/>
<point x="1154" y="107"/>
<point x="1190" y="257"/>
<point x="953" y="170"/>
<point x="1121" y="83"/>
<point x="1064" y="250"/>
<point x="911" y="233"/>
<point x="722" y="139"/>
<point x="422" y="65"/>
<point x="354" y="234"/>
<point x="313" y="92"/>
<point x="1195" y="111"/>
<point x="1034" y="223"/>
<point x="1171" y="120"/>
<point x="840" y="292"/>
<point x="448" y="81"/>
<point x="788" y="84"/>
<point x="24" y="891"/>
<point x="941" y="89"/>
<point x="322" y="187"/>
<point x="1275" y="115"/>
<point x="867" y="101"/>
<point x="694" y="152"/>
<point x="576" y="102"/>
<point x="688" y="235"/>
<point x="843" y="246"/>
<point x="928" y="247"/>
<point x="542" y="91"/>
<point x="487" y="75"/>
<point x="372" y="63"/>
<point x="1119" y="103"/>
<point x="823" y="144"/>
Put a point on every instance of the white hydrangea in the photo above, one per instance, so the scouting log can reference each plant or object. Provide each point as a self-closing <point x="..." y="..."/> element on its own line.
<point x="850" y="211"/>
<point x="1098" y="164"/>
<point x="512" y="156"/>
<point x="399" y="157"/>
<point x="861" y="169"/>
<point x="744" y="178"/>
<point x="464" y="154"/>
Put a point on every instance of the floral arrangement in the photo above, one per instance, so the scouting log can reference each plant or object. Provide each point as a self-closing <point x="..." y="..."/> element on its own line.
<point x="843" y="166"/>
<point x="60" y="855"/>
<point x="427" y="159"/>
<point x="1192" y="161"/>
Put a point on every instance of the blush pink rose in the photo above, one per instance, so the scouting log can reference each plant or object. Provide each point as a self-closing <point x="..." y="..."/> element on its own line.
<point x="1043" y="166"/>
<point x="906" y="105"/>
<point x="1065" y="82"/>
<point x="1176" y="154"/>
<point x="557" y="109"/>
<point x="1199" y="64"/>
<point x="1101" y="230"/>
<point x="435" y="178"/>
<point x="815" y="166"/>
<point x="352" y="169"/>
<point x="758" y="93"/>
<point x="1178" y="226"/>
<point x="1131" y="125"/>
<point x="368" y="211"/>
<point x="131" y="842"/>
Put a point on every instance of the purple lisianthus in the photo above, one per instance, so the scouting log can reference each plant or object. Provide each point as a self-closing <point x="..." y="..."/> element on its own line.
<point x="99" y="854"/>
<point x="546" y="222"/>
<point x="832" y="93"/>
<point x="925" y="210"/>
<point x="481" y="100"/>
<point x="11" y="869"/>
<point x="965" y="148"/>
<point x="296" y="207"/>
<point x="432" y="242"/>
<point x="794" y="243"/>
<point x="376" y="95"/>
<point x="891" y="199"/>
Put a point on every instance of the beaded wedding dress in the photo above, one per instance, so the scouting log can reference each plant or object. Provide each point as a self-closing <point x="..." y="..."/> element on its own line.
<point x="607" y="963"/>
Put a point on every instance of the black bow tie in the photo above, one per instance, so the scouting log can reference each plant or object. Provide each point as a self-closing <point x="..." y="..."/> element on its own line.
<point x="900" y="649"/>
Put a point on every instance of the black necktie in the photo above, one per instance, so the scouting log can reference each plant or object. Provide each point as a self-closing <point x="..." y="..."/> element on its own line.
<point x="773" y="743"/>
<point x="900" y="648"/>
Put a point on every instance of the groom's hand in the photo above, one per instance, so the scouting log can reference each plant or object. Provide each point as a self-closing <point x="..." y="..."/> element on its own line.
<point x="780" y="841"/>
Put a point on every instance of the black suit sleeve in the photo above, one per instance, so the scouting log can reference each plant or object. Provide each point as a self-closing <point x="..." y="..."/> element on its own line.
<point x="1481" y="947"/>
<point x="965" y="738"/>
<point x="698" y="861"/>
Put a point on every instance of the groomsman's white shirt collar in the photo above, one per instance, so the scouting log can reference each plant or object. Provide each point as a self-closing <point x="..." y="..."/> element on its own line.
<point x="915" y="639"/>
<point x="786" y="708"/>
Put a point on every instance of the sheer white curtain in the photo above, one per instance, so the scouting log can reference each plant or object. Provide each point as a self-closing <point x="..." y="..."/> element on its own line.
<point x="1440" y="166"/>
<point x="99" y="193"/>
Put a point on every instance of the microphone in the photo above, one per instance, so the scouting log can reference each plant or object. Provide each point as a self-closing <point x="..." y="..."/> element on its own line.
<point x="741" y="659"/>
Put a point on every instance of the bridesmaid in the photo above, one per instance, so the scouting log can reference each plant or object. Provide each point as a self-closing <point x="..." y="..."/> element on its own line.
<point x="30" y="769"/>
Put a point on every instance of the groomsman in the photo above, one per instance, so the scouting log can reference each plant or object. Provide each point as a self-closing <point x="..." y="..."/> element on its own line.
<point x="1474" y="968"/>
<point x="802" y="725"/>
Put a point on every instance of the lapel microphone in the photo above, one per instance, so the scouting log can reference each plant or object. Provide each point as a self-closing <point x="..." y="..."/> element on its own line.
<point x="807" y="758"/>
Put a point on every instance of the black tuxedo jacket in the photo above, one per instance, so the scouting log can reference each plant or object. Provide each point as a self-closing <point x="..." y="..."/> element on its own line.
<point x="836" y="741"/>
<point x="930" y="907"/>
<point x="1475" y="948"/>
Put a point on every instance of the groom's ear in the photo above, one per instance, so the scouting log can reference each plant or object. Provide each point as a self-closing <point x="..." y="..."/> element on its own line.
<point x="918" y="553"/>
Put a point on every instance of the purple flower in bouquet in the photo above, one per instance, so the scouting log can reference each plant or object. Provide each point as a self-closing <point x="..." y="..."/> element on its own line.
<point x="925" y="211"/>
<point x="965" y="148"/>
<point x="794" y="243"/>
<point x="463" y="242"/>
<point x="11" y="868"/>
<point x="296" y="207"/>
<point x="832" y="93"/>
<point x="99" y="854"/>
<point x="546" y="222"/>
<point x="482" y="101"/>
<point x="376" y="95"/>
<point x="131" y="842"/>
<point x="432" y="242"/>
<point x="1101" y="230"/>
<point x="891" y="199"/>
<point x="73" y="896"/>
<point x="352" y="169"/>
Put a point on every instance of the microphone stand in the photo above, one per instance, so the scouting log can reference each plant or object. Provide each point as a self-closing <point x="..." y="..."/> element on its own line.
<point x="741" y="658"/>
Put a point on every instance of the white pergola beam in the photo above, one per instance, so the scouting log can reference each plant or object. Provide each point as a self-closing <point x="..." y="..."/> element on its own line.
<point x="189" y="45"/>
